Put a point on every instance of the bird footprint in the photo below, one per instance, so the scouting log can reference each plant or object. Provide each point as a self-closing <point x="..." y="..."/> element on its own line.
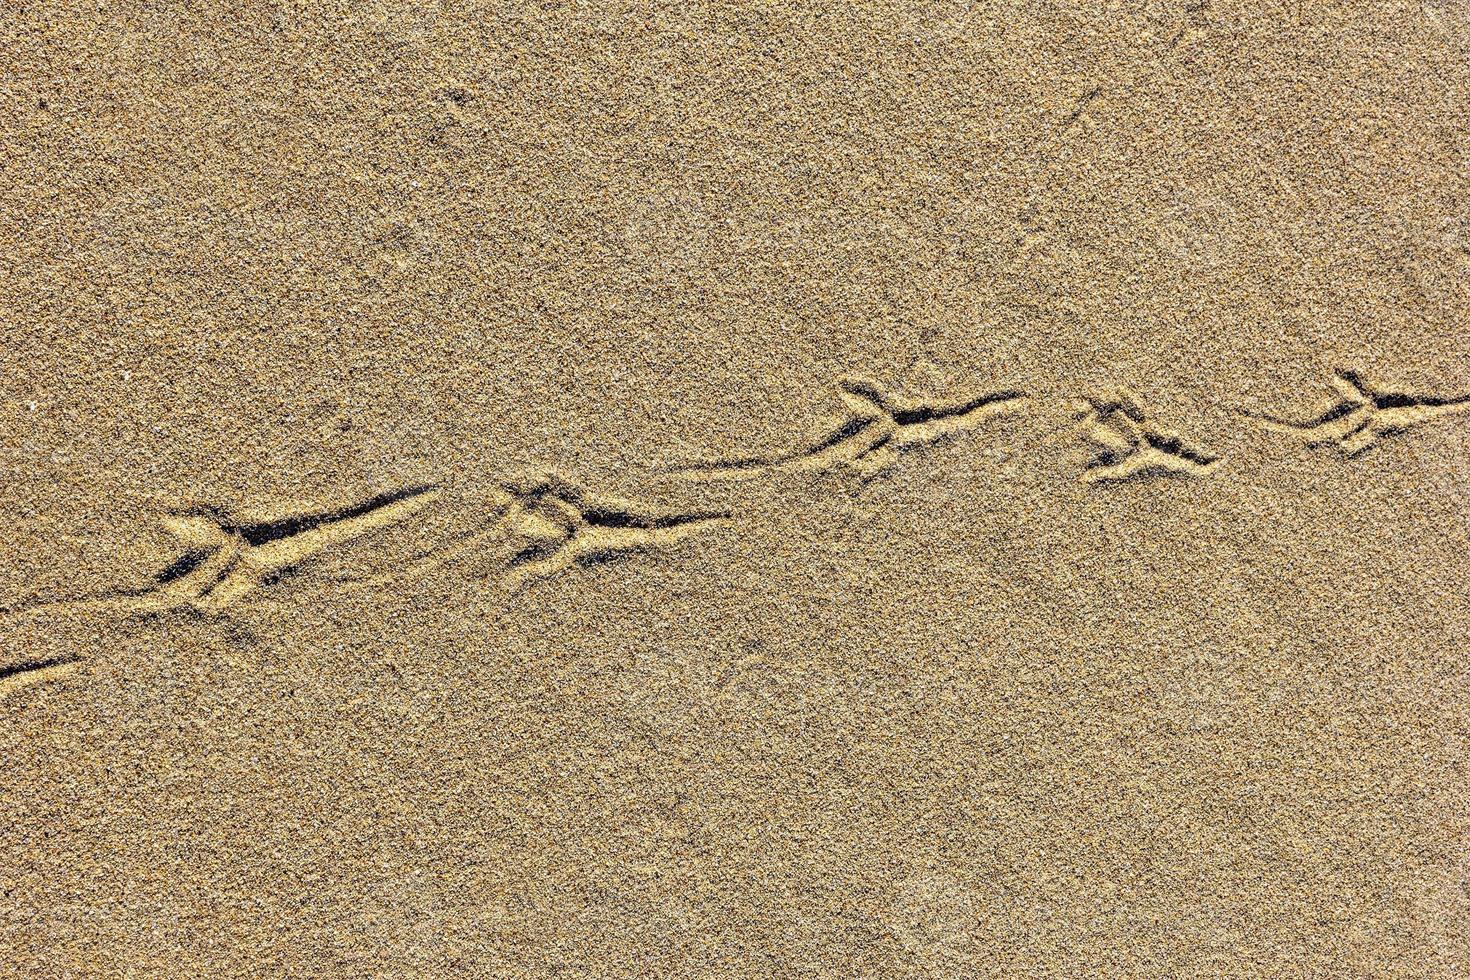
<point x="877" y="427"/>
<point x="1130" y="446"/>
<point x="225" y="557"/>
<point x="553" y="525"/>
<point x="1363" y="414"/>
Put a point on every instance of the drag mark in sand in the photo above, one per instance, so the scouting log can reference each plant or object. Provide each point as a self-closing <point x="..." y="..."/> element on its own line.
<point x="1130" y="447"/>
<point x="876" y="429"/>
<point x="1362" y="415"/>
<point x="466" y="543"/>
<point x="225" y="558"/>
<point x="17" y="676"/>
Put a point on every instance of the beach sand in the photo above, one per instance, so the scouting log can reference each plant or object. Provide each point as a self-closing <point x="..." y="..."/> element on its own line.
<point x="929" y="489"/>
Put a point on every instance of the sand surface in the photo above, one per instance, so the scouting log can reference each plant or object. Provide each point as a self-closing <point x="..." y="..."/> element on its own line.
<point x="738" y="490"/>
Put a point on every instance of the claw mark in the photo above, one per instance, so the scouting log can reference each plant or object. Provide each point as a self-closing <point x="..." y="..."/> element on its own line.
<point x="225" y="557"/>
<point x="877" y="428"/>
<point x="554" y="525"/>
<point x="21" y="675"/>
<point x="1363" y="414"/>
<point x="1131" y="447"/>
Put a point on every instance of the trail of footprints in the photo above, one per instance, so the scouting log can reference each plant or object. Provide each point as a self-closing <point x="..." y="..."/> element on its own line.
<point x="538" y="526"/>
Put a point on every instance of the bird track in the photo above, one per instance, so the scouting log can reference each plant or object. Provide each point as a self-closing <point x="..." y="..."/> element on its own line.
<point x="555" y="525"/>
<point x="877" y="428"/>
<point x="535" y="527"/>
<point x="225" y="558"/>
<point x="1363" y="415"/>
<point x="1131" y="447"/>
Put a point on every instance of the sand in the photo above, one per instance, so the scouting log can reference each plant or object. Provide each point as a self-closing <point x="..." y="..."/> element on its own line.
<point x="880" y="490"/>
